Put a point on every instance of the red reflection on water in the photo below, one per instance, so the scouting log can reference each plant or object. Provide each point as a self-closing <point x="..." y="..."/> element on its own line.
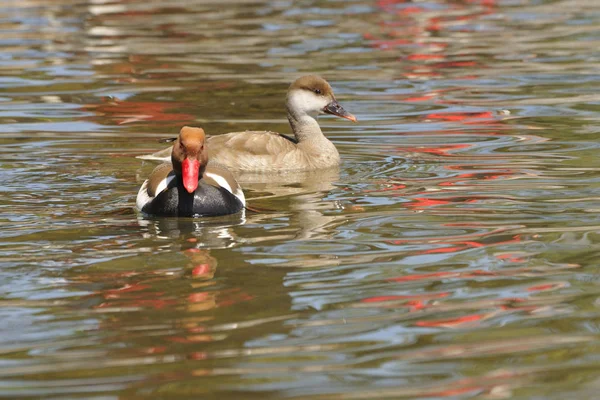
<point x="389" y="5"/>
<point x="202" y="270"/>
<point x="200" y="297"/>
<point x="386" y="44"/>
<point x="399" y="7"/>
<point x="411" y="27"/>
<point x="186" y="289"/>
<point x="126" y="289"/>
<point x="444" y="250"/>
<point x="461" y="117"/>
<point x="421" y="56"/>
<point x="461" y="274"/>
<point x="389" y="187"/>
<point x="456" y="391"/>
<point x="510" y="258"/>
<point x="465" y="178"/>
<point x="472" y="239"/>
<point x="156" y="304"/>
<point x="547" y="286"/>
<point x="419" y="277"/>
<point x="425" y="97"/>
<point x="126" y="112"/>
<point x="233" y="296"/>
<point x="423" y="202"/>
<point x="191" y="339"/>
<point x="484" y="175"/>
<point x="155" y="350"/>
<point x="147" y="289"/>
<point x="414" y="302"/>
<point x="136" y="294"/>
<point x="452" y="322"/>
<point x="469" y="177"/>
<point x="116" y="293"/>
<point x="477" y="273"/>
<point x="423" y="296"/>
<point x="440" y="150"/>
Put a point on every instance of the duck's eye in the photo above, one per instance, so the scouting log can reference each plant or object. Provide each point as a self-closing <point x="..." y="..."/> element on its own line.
<point x="317" y="91"/>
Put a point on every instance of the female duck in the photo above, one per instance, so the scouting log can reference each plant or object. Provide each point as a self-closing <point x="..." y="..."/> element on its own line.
<point x="188" y="185"/>
<point x="263" y="151"/>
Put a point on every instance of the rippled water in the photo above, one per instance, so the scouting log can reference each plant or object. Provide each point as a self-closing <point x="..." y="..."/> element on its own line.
<point x="453" y="256"/>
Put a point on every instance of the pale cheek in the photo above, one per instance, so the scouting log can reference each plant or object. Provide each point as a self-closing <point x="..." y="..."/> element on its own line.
<point x="307" y="102"/>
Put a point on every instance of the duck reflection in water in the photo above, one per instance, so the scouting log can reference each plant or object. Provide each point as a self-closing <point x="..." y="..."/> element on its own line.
<point x="298" y="196"/>
<point x="301" y="196"/>
<point x="213" y="233"/>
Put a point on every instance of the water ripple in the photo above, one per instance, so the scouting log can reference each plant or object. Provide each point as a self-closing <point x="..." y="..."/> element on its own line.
<point x="454" y="254"/>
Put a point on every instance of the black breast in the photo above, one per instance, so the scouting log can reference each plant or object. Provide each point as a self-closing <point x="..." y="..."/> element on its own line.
<point x="206" y="201"/>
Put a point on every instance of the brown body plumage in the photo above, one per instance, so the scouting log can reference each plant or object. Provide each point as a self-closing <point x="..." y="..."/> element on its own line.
<point x="263" y="151"/>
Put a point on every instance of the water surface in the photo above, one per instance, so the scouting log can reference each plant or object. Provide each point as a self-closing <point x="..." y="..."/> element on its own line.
<point x="454" y="254"/>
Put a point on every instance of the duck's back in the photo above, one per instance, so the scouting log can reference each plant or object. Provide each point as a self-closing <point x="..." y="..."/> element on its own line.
<point x="264" y="152"/>
<point x="252" y="150"/>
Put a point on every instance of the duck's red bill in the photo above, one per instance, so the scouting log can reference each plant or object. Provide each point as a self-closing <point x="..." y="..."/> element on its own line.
<point x="189" y="171"/>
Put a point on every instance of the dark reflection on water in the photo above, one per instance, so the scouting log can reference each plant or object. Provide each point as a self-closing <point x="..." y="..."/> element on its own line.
<point x="452" y="255"/>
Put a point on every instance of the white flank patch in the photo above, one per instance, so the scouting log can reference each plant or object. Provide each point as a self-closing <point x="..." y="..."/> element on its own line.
<point x="162" y="186"/>
<point x="144" y="198"/>
<point x="225" y="185"/>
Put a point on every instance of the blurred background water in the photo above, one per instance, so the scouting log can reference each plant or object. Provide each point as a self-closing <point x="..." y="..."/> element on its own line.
<point x="455" y="255"/>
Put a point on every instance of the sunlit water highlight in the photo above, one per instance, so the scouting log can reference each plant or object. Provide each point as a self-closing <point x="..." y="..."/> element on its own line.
<point x="453" y="255"/>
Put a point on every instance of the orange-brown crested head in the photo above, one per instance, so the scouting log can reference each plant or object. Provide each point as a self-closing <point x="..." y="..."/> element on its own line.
<point x="312" y="95"/>
<point x="189" y="156"/>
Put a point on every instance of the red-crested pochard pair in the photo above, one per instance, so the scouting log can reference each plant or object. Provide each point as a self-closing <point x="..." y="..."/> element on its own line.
<point x="187" y="185"/>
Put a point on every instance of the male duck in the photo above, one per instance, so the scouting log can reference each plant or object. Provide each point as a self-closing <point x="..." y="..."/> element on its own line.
<point x="263" y="151"/>
<point x="188" y="185"/>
